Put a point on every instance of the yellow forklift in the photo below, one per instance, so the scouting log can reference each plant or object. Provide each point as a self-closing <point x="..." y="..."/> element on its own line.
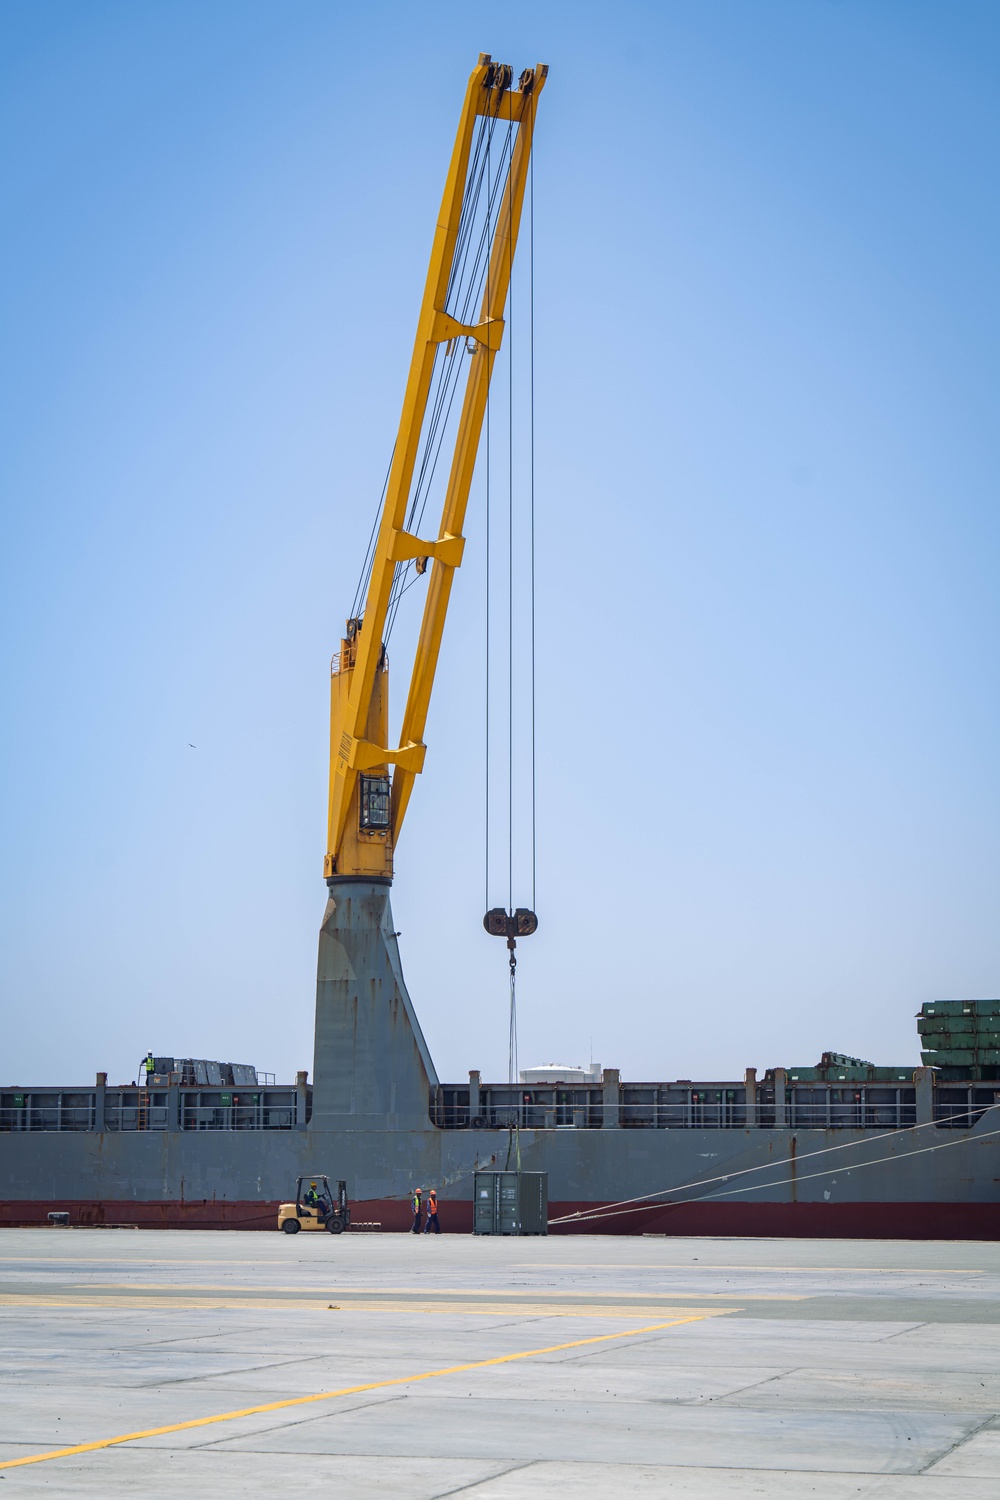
<point x="315" y="1207"/>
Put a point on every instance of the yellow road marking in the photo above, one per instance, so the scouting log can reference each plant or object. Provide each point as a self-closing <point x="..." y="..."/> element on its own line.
<point x="527" y="1265"/>
<point x="111" y="1260"/>
<point x="439" y="1309"/>
<point x="349" y="1390"/>
<point x="652" y="1301"/>
<point x="405" y="1291"/>
<point x="705" y="1265"/>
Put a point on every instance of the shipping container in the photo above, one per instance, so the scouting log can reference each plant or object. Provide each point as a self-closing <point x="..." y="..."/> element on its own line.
<point x="511" y="1203"/>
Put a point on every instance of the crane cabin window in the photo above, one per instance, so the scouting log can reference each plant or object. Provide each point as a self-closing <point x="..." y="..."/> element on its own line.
<point x="374" y="804"/>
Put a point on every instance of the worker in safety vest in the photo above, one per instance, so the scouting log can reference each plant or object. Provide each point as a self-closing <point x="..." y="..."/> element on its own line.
<point x="150" y="1067"/>
<point x="417" y="1205"/>
<point x="313" y="1200"/>
<point x="432" y="1213"/>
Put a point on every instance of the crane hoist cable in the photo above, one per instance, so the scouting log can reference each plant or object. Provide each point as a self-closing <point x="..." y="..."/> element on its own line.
<point x="468" y="289"/>
<point x="442" y="389"/>
<point x="512" y="922"/>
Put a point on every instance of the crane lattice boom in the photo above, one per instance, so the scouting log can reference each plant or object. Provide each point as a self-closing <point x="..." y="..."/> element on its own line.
<point x="366" y="808"/>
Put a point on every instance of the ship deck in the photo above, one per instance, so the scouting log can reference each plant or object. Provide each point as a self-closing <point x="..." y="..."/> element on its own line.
<point x="498" y="1368"/>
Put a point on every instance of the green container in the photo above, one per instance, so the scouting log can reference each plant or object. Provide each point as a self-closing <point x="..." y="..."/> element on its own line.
<point x="952" y="1025"/>
<point x="510" y="1202"/>
<point x="953" y="1058"/>
<point x="893" y="1075"/>
<point x="940" y="1041"/>
<point x="974" y="1008"/>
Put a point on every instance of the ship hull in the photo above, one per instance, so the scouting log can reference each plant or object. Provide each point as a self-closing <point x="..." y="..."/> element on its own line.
<point x="897" y="1221"/>
<point x="620" y="1159"/>
<point x="811" y="1183"/>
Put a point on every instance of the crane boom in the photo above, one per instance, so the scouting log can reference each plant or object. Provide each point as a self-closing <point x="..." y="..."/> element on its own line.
<point x="366" y="810"/>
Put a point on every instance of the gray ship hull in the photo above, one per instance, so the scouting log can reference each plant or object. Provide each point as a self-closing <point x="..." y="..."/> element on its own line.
<point x="912" y="1159"/>
<point x="236" y="1179"/>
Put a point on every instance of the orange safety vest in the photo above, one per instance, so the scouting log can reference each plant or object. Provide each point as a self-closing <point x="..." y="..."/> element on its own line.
<point x="432" y="1205"/>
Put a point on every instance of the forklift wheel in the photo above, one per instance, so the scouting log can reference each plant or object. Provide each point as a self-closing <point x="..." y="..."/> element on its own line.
<point x="291" y="1226"/>
<point x="335" y="1224"/>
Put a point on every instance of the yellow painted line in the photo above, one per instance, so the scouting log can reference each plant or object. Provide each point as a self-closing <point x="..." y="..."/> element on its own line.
<point x="705" y="1265"/>
<point x="637" y="1266"/>
<point x="652" y="1301"/>
<point x="111" y="1260"/>
<point x="465" y="1309"/>
<point x="349" y="1390"/>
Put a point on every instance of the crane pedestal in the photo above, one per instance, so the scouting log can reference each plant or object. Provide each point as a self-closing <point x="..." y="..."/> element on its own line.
<point x="371" y="1067"/>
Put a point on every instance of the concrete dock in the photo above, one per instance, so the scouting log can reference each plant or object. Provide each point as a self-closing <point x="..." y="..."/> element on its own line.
<point x="371" y="1364"/>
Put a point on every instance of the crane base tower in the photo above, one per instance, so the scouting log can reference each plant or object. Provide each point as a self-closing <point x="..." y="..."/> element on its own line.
<point x="371" y="1066"/>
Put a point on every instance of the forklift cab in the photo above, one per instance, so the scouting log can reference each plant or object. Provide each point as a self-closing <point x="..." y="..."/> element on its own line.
<point x="315" y="1207"/>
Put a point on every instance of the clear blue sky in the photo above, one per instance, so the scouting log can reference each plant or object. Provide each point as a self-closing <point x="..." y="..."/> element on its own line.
<point x="768" y="547"/>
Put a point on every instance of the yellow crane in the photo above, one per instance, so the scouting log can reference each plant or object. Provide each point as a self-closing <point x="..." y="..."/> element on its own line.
<point x="371" y="782"/>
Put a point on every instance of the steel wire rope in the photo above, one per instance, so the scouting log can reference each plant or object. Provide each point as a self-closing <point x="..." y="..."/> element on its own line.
<point x="470" y="199"/>
<point x="531" y="468"/>
<point x="466" y="219"/>
<point x="463" y="234"/>
<point x="644" y="1200"/>
<point x="467" y="214"/>
<point x="472" y="293"/>
<point x="402" y="570"/>
<point x="487" y="632"/>
<point x="488" y="600"/>
<point x="481" y="270"/>
<point x="512" y="1040"/>
<point x="512" y="1058"/>
<point x="366" y="566"/>
<point x="756" y="1187"/>
<point x="445" y="387"/>
<point x="400" y="583"/>
<point x="502" y="173"/>
<point x="510" y="593"/>
<point x="476" y="175"/>
<point x="459" y="306"/>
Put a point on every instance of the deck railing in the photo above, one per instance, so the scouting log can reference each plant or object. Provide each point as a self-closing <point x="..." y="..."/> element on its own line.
<point x="575" y="1106"/>
<point x="673" y="1106"/>
<point x="127" y="1110"/>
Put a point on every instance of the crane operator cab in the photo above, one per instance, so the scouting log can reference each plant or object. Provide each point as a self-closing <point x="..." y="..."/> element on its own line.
<point x="315" y="1207"/>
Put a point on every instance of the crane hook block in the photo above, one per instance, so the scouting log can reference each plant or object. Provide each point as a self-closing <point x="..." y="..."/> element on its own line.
<point x="520" y="923"/>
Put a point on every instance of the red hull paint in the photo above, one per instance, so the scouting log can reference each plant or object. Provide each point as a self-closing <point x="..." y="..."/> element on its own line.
<point x="893" y="1221"/>
<point x="849" y="1221"/>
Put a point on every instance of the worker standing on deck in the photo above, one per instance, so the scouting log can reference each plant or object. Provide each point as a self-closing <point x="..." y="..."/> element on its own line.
<point x="432" y="1213"/>
<point x="150" y="1066"/>
<point x="417" y="1205"/>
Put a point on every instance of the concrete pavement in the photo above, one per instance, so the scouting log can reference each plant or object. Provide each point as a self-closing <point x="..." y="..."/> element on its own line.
<point x="577" y="1366"/>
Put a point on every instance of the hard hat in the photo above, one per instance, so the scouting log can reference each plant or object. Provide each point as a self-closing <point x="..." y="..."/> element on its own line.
<point x="312" y="1184"/>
